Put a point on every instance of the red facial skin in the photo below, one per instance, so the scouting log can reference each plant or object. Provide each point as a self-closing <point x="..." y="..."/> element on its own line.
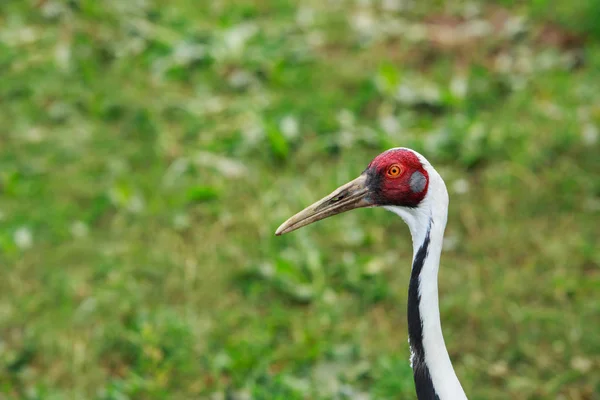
<point x="407" y="189"/>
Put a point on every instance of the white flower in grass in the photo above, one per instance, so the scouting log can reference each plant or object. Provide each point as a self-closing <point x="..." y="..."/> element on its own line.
<point x="228" y="167"/>
<point x="62" y="56"/>
<point x="471" y="10"/>
<point x="23" y="238"/>
<point x="504" y="63"/>
<point x="434" y="141"/>
<point x="592" y="204"/>
<point x="392" y="5"/>
<point x="364" y="23"/>
<point x="240" y="79"/>
<point x="477" y="28"/>
<point x="185" y="52"/>
<point x="305" y="16"/>
<point x="27" y="35"/>
<point x="346" y="118"/>
<point x="329" y="296"/>
<point x="79" y="229"/>
<point x="136" y="204"/>
<point x="181" y="221"/>
<point x="289" y="126"/>
<point x="581" y="364"/>
<point x="389" y="124"/>
<point x="416" y="32"/>
<point x="53" y="9"/>
<point x="34" y="135"/>
<point x="514" y="25"/>
<point x="430" y="93"/>
<point x="236" y="38"/>
<point x="459" y="86"/>
<point x="589" y="134"/>
<point x="450" y="242"/>
<point x="214" y="104"/>
<point x="498" y="369"/>
<point x="315" y="38"/>
<point x="460" y="186"/>
<point x="406" y="94"/>
<point x="243" y="394"/>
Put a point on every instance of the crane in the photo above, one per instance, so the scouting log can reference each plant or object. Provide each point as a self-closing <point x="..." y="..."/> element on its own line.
<point x="404" y="182"/>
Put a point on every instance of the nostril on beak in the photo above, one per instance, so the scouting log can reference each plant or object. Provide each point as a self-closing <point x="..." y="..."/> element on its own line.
<point x="339" y="197"/>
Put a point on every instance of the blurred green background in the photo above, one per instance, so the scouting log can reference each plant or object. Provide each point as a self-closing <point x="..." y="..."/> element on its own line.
<point x="149" y="150"/>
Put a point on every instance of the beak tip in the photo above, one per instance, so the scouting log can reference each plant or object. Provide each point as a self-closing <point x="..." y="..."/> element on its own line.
<point x="279" y="231"/>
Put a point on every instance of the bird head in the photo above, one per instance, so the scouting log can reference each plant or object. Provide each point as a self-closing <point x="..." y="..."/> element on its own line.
<point x="396" y="178"/>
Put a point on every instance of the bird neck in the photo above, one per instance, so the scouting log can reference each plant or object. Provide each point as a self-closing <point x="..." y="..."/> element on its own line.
<point x="433" y="373"/>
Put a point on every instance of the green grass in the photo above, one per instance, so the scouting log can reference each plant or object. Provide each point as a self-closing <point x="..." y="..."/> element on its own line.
<point x="149" y="150"/>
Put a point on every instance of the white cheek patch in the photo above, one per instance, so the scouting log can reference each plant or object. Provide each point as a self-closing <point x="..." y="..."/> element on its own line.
<point x="417" y="182"/>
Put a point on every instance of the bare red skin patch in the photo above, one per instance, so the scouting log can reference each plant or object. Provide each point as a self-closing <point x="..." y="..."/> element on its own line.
<point x="407" y="189"/>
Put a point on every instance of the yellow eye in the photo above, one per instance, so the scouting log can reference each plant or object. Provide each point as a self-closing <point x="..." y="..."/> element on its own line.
<point x="394" y="170"/>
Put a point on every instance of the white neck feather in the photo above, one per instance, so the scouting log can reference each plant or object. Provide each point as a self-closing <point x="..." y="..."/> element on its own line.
<point x="432" y="210"/>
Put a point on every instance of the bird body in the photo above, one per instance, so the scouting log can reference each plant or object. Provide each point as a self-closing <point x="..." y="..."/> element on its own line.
<point x="404" y="182"/>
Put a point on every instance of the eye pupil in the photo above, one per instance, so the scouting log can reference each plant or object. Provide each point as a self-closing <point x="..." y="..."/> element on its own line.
<point x="394" y="171"/>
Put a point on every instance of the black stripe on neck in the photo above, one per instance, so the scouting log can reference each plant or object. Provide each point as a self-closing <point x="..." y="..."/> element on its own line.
<point x="423" y="383"/>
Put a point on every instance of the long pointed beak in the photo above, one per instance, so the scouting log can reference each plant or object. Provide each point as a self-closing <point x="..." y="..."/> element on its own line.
<point x="353" y="194"/>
